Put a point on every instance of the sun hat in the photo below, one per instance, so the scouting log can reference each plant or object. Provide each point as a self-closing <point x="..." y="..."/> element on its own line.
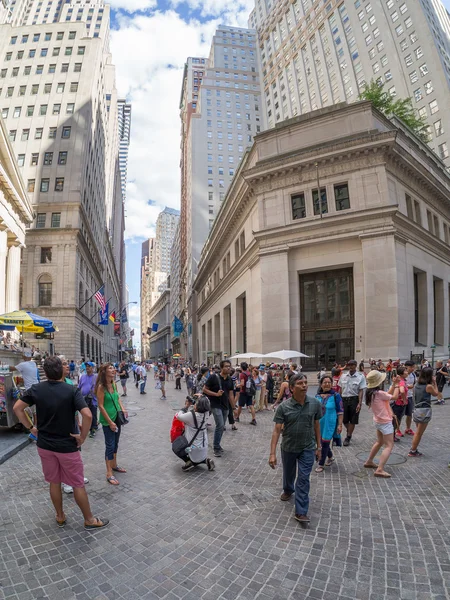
<point x="374" y="379"/>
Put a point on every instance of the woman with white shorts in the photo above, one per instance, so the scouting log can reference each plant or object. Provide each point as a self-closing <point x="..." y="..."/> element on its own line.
<point x="379" y="401"/>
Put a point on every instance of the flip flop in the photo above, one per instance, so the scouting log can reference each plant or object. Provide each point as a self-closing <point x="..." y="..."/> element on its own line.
<point x="61" y="523"/>
<point x="112" y="480"/>
<point x="99" y="524"/>
<point x="383" y="475"/>
<point x="319" y="469"/>
<point x="329" y="462"/>
<point x="119" y="470"/>
<point x="371" y="466"/>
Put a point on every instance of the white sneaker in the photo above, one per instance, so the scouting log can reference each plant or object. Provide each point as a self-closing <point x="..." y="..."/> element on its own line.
<point x="86" y="480"/>
<point x="67" y="489"/>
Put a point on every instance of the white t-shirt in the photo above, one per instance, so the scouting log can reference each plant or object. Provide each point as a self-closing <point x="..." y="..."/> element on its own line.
<point x="199" y="449"/>
<point x="28" y="370"/>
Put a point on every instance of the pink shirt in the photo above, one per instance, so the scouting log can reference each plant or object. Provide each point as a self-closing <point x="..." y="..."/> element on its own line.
<point x="382" y="412"/>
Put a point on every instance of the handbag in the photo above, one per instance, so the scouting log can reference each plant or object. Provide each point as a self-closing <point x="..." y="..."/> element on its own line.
<point x="120" y="418"/>
<point x="180" y="445"/>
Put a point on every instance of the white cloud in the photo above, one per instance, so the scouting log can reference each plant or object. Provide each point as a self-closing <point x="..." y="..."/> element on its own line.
<point x="131" y="6"/>
<point x="149" y="52"/>
<point x="235" y="13"/>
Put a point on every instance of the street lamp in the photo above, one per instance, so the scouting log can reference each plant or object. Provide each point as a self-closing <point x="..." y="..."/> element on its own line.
<point x="120" y="321"/>
<point x="433" y="348"/>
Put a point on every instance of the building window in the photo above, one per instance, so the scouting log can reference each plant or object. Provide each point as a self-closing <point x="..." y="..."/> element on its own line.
<point x="52" y="132"/>
<point x="45" y="185"/>
<point x="434" y="107"/>
<point x="438" y="128"/>
<point x="48" y="158"/>
<point x="70" y="108"/>
<point x="30" y="186"/>
<point x="74" y="87"/>
<point x="298" y="206"/>
<point x="25" y="135"/>
<point x="21" y="160"/>
<point x="40" y="219"/>
<point x="60" y="88"/>
<point x="17" y="112"/>
<point x="443" y="150"/>
<point x="46" y="256"/>
<point x="45" y="291"/>
<point x="56" y="109"/>
<point x="56" y="220"/>
<point x="409" y="207"/>
<point x="43" y="109"/>
<point x="66" y="132"/>
<point x="322" y="201"/>
<point x="47" y="88"/>
<point x="62" y="158"/>
<point x="34" y="159"/>
<point x="341" y="196"/>
<point x="59" y="184"/>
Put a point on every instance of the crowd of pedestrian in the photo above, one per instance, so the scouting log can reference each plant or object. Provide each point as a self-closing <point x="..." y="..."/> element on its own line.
<point x="77" y="399"/>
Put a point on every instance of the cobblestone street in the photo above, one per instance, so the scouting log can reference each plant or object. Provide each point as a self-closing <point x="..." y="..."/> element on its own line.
<point x="225" y="534"/>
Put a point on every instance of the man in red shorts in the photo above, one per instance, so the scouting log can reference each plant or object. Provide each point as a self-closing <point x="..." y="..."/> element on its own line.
<point x="58" y="439"/>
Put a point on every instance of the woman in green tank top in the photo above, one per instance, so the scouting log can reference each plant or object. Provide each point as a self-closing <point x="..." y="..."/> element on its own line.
<point x="109" y="404"/>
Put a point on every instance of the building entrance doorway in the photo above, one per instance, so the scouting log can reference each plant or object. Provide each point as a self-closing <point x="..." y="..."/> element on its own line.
<point x="327" y="317"/>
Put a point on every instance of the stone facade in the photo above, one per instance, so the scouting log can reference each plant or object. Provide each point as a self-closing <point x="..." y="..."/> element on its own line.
<point x="159" y="344"/>
<point x="16" y="214"/>
<point x="368" y="278"/>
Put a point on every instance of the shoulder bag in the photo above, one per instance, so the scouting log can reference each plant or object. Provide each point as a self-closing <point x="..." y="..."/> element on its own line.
<point x="180" y="445"/>
<point x="121" y="418"/>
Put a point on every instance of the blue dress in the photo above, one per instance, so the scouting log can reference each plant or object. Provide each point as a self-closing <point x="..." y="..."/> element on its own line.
<point x="332" y="406"/>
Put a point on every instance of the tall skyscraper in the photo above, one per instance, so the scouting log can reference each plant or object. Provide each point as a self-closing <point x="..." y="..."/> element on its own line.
<point x="220" y="102"/>
<point x="313" y="55"/>
<point x="124" y="115"/>
<point x="166" y="224"/>
<point x="59" y="104"/>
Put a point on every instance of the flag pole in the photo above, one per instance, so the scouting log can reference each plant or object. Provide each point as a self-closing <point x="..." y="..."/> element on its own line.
<point x="91" y="297"/>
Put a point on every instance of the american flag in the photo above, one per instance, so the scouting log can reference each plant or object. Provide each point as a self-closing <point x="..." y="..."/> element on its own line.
<point x="100" y="297"/>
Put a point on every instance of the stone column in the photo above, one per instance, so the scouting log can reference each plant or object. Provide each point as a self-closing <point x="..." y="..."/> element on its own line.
<point x="3" y="255"/>
<point x="13" y="279"/>
<point x="275" y="309"/>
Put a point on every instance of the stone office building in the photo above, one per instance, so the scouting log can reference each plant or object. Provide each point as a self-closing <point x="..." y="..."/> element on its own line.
<point x="359" y="269"/>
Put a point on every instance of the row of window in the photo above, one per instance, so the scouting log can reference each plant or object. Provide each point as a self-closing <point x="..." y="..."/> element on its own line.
<point x="220" y="148"/>
<point x="68" y="51"/>
<point x="46" y="36"/>
<point x="413" y="212"/>
<point x="320" y="203"/>
<point x="41" y="220"/>
<point x="56" y="110"/>
<point x="40" y="70"/>
<point x="22" y="90"/>
<point x="220" y="172"/>
<point x="48" y="159"/>
<point x="38" y="133"/>
<point x="45" y="186"/>
<point x="219" y="135"/>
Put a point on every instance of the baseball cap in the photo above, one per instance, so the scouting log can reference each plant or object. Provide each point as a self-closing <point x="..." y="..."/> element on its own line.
<point x="90" y="364"/>
<point x="27" y="353"/>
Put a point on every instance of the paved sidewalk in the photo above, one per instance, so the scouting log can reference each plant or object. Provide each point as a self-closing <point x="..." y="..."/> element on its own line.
<point x="226" y="535"/>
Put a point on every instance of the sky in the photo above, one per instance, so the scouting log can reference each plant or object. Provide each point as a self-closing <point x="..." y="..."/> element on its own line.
<point x="150" y="42"/>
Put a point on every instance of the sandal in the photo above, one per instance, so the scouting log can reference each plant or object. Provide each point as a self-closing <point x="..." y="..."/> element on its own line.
<point x="119" y="470"/>
<point x="112" y="480"/>
<point x="99" y="524"/>
<point x="319" y="469"/>
<point x="61" y="523"/>
<point x="371" y="466"/>
<point x="234" y="428"/>
<point x="329" y="462"/>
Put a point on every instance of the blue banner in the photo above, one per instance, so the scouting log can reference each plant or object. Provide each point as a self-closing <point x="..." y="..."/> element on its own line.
<point x="124" y="316"/>
<point x="177" y="326"/>
<point x="103" y="315"/>
<point x="155" y="327"/>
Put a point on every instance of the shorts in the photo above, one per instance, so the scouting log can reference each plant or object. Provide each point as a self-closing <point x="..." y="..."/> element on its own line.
<point x="409" y="407"/>
<point x="123" y="382"/>
<point x="350" y="415"/>
<point x="245" y="400"/>
<point x="441" y="385"/>
<point x="62" y="467"/>
<point x="399" y="411"/>
<point x="422" y="415"/>
<point x="385" y="428"/>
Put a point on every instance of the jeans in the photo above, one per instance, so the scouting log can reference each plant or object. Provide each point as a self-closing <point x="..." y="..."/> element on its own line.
<point x="111" y="441"/>
<point x="93" y="408"/>
<point x="326" y="452"/>
<point x="178" y="383"/>
<point x="230" y="415"/>
<point x="142" y="384"/>
<point x="220" y="416"/>
<point x="303" y="462"/>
